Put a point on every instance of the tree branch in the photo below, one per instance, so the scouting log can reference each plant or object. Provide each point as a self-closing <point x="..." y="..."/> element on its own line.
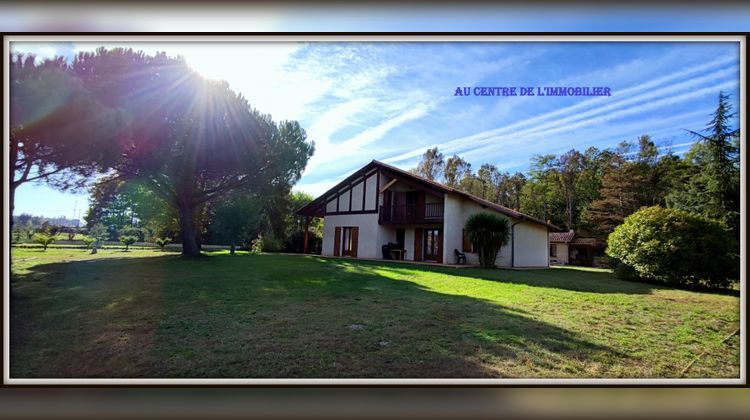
<point x="46" y="174"/>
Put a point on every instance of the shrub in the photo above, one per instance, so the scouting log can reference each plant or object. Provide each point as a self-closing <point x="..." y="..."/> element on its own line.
<point x="98" y="232"/>
<point x="18" y="232"/>
<point x="296" y="241"/>
<point x="70" y="232"/>
<point x="272" y="244"/>
<point x="256" y="245"/>
<point x="489" y="233"/>
<point x="128" y="240"/>
<point x="624" y="271"/>
<point x="44" y="239"/>
<point x="162" y="242"/>
<point x="675" y="247"/>
<point x="49" y="229"/>
<point x="88" y="240"/>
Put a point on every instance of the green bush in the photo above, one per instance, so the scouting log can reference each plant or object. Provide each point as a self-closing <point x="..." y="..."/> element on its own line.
<point x="44" y="239"/>
<point x="296" y="241"/>
<point x="98" y="232"/>
<point x="88" y="240"/>
<point x="162" y="242"/>
<point x="272" y="244"/>
<point x="128" y="240"/>
<point x="624" y="271"/>
<point x="256" y="245"/>
<point x="675" y="247"/>
<point x="489" y="233"/>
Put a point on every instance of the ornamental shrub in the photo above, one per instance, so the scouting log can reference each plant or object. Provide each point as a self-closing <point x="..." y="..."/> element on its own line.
<point x="88" y="241"/>
<point x="162" y="242"/>
<point x="489" y="233"/>
<point x="256" y="245"/>
<point x="675" y="247"/>
<point x="128" y="240"/>
<point x="44" y="240"/>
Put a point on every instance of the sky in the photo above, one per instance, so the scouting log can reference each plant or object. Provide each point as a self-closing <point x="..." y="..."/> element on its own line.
<point x="390" y="101"/>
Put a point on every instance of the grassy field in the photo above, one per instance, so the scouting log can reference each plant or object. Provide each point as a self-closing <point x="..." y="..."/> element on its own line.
<point x="147" y="313"/>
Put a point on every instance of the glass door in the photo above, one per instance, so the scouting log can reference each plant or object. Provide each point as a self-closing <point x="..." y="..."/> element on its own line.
<point x="432" y="244"/>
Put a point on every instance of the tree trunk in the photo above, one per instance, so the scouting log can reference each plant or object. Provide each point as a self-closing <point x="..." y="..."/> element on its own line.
<point x="11" y="202"/>
<point x="189" y="230"/>
<point x="232" y="247"/>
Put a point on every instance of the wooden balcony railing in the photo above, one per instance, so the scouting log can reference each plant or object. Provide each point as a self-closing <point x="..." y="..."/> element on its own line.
<point x="411" y="213"/>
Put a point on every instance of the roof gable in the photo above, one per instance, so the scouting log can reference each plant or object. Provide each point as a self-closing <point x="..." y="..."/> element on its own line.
<point x="315" y="206"/>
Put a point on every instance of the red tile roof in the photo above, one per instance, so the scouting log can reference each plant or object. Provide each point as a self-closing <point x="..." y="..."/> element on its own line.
<point x="562" y="237"/>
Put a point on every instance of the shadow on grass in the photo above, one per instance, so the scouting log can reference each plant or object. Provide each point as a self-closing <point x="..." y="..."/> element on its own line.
<point x="275" y="316"/>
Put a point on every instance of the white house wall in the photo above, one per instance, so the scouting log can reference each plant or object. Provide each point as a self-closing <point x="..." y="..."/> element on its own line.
<point x="331" y="206"/>
<point x="357" y="196"/>
<point x="370" y="233"/>
<point x="371" y="187"/>
<point x="453" y="215"/>
<point x="344" y="201"/>
<point x="531" y="248"/>
<point x="562" y="254"/>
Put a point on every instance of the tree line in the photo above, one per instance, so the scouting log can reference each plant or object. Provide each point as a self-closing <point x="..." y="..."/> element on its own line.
<point x="594" y="190"/>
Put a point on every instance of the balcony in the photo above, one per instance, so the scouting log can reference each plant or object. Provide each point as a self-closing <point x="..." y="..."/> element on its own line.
<point x="411" y="213"/>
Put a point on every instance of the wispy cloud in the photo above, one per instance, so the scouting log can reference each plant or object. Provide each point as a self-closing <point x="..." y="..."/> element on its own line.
<point x="580" y="111"/>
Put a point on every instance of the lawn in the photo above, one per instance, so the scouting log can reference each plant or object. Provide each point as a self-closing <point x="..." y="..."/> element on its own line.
<point x="146" y="313"/>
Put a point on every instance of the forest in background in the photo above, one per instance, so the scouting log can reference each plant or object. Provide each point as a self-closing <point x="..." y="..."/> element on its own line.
<point x="593" y="191"/>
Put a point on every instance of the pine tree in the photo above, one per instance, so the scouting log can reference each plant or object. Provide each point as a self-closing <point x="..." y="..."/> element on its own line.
<point x="713" y="180"/>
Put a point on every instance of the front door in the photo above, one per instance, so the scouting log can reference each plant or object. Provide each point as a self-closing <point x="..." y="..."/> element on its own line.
<point x="433" y="245"/>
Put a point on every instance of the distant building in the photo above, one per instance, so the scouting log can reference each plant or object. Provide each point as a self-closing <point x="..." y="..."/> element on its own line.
<point x="565" y="248"/>
<point x="37" y="221"/>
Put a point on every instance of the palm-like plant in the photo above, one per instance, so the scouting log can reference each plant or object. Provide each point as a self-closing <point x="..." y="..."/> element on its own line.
<point x="162" y="242"/>
<point x="88" y="241"/>
<point x="128" y="240"/>
<point x="489" y="233"/>
<point x="44" y="240"/>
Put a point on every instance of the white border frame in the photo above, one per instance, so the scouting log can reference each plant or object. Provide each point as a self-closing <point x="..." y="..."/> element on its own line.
<point x="741" y="40"/>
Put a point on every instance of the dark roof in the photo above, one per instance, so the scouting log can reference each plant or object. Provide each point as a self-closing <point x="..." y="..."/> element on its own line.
<point x="564" y="237"/>
<point x="317" y="206"/>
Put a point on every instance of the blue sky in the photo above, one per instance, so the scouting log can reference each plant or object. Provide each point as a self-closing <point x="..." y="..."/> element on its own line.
<point x="390" y="101"/>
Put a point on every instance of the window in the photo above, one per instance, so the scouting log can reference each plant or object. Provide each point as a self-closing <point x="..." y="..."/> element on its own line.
<point x="466" y="245"/>
<point x="553" y="250"/>
<point x="346" y="234"/>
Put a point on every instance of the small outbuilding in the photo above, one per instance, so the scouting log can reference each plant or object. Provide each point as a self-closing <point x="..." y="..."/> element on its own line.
<point x="566" y="248"/>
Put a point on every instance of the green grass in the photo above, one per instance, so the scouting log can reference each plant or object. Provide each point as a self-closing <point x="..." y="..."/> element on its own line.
<point x="146" y="313"/>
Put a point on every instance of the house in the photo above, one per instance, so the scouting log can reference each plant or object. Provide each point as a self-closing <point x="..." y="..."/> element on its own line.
<point x="383" y="212"/>
<point x="567" y="248"/>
